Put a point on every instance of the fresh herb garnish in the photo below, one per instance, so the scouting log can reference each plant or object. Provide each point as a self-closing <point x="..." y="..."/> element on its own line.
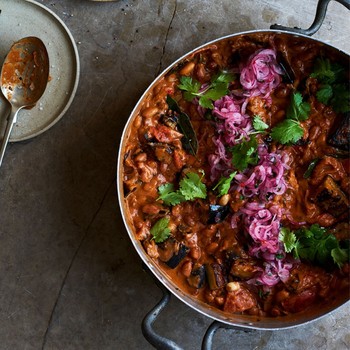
<point x="160" y="230"/>
<point x="290" y="130"/>
<point x="169" y="196"/>
<point x="340" y="100"/>
<point x="324" y="94"/>
<point x="224" y="184"/>
<point x="297" y="109"/>
<point x="189" y="140"/>
<point x="332" y="91"/>
<point x="327" y="72"/>
<point x="245" y="153"/>
<point x="190" y="187"/>
<point x="207" y="93"/>
<point x="314" y="244"/>
<point x="258" y="124"/>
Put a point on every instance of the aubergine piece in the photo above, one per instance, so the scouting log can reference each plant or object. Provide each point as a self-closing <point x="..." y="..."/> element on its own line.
<point x="162" y="151"/>
<point x="331" y="198"/>
<point x="340" y="137"/>
<point x="169" y="119"/>
<point x="217" y="213"/>
<point x="232" y="254"/>
<point x="172" y="252"/>
<point x="244" y="269"/>
<point x="216" y="276"/>
<point x="230" y="257"/>
<point x="197" y="277"/>
<point x="178" y="257"/>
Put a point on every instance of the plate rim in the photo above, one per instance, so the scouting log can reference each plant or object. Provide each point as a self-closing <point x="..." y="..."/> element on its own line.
<point x="75" y="77"/>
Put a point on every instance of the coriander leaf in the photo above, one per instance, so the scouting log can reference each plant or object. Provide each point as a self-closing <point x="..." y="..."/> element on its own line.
<point x="189" y="96"/>
<point x="304" y="111"/>
<point x="341" y="98"/>
<point x="259" y="124"/>
<point x="169" y="196"/>
<point x="192" y="187"/>
<point x="326" y="72"/>
<point x="217" y="91"/>
<point x="317" y="231"/>
<point x="314" y="244"/>
<point x="288" y="131"/>
<point x="288" y="238"/>
<point x="245" y="153"/>
<point x="324" y="249"/>
<point x="190" y="85"/>
<point x="160" y="230"/>
<point x="340" y="256"/>
<point x="297" y="109"/>
<point x="324" y="94"/>
<point x="217" y="88"/>
<point x="332" y="91"/>
<point x="224" y="184"/>
<point x="205" y="102"/>
<point x="223" y="77"/>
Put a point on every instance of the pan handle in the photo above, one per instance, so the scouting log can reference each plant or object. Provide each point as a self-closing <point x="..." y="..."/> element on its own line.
<point x="319" y="18"/>
<point x="158" y="341"/>
<point x="207" y="343"/>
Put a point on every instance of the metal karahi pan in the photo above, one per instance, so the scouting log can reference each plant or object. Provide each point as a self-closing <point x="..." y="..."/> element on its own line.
<point x="223" y="319"/>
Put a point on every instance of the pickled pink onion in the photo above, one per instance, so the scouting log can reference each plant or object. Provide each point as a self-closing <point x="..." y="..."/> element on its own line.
<point x="232" y="128"/>
<point x="258" y="77"/>
<point x="261" y="74"/>
<point x="266" y="178"/>
<point x="263" y="226"/>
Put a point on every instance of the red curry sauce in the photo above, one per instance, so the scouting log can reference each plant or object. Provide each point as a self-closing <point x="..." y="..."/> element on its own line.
<point x="214" y="261"/>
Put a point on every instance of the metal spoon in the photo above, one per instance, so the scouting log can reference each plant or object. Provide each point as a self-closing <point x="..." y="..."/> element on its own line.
<point x="24" y="77"/>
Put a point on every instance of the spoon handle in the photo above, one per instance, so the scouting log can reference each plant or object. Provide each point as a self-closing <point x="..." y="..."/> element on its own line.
<point x="11" y="120"/>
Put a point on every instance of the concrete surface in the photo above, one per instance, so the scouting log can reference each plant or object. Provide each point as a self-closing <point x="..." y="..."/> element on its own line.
<point x="69" y="277"/>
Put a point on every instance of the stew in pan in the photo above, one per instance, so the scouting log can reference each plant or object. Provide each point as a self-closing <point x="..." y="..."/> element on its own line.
<point x="236" y="174"/>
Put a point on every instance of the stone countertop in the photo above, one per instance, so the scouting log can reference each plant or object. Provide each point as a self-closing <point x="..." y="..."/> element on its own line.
<point x="69" y="275"/>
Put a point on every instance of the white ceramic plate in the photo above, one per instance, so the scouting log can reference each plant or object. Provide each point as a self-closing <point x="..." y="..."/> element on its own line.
<point x="22" y="18"/>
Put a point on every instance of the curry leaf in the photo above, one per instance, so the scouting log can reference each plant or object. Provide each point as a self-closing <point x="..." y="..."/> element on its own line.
<point x="189" y="140"/>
